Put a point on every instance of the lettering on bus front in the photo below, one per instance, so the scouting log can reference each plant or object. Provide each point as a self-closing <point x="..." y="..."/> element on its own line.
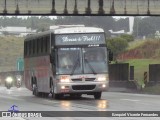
<point x="80" y="39"/>
<point x="83" y="38"/>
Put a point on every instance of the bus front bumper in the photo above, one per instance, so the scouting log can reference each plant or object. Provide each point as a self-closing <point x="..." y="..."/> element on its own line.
<point x="89" y="87"/>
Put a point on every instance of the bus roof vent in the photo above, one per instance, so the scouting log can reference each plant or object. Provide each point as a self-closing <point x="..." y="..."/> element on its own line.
<point x="64" y="26"/>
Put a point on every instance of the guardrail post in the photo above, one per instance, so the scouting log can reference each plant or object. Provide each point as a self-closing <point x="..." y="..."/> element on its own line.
<point x="145" y="78"/>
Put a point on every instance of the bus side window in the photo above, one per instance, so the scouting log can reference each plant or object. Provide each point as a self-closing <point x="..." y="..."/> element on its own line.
<point x="40" y="46"/>
<point x="46" y="44"/>
<point x="42" y="43"/>
<point x="30" y="48"/>
<point x="33" y="46"/>
<point x="35" y="49"/>
<point x="52" y="57"/>
<point x="25" y="49"/>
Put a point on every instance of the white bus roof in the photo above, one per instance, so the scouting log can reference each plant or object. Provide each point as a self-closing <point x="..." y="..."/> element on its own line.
<point x="78" y="30"/>
<point x="64" y="26"/>
<point x="68" y="30"/>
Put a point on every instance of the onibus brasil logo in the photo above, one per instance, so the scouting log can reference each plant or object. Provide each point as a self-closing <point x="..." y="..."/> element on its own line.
<point x="14" y="112"/>
<point x="12" y="109"/>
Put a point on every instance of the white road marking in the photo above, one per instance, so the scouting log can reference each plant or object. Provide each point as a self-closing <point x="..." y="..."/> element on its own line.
<point x="130" y="100"/>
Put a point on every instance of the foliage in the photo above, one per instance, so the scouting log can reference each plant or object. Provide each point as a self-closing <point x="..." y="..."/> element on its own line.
<point x="121" y="24"/>
<point x="135" y="44"/>
<point x="127" y="37"/>
<point x="39" y="23"/>
<point x="117" y="45"/>
<point x="11" y="48"/>
<point x="146" y="26"/>
<point x="43" y="22"/>
<point x="143" y="49"/>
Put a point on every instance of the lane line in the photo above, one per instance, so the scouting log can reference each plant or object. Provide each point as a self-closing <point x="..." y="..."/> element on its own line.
<point x="130" y="100"/>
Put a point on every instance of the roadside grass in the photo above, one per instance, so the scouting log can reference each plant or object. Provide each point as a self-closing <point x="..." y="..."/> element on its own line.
<point x="141" y="66"/>
<point x="150" y="51"/>
<point x="135" y="44"/>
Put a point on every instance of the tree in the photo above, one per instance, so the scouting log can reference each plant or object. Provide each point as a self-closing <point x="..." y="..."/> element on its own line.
<point x="127" y="37"/>
<point x="144" y="27"/>
<point x="117" y="45"/>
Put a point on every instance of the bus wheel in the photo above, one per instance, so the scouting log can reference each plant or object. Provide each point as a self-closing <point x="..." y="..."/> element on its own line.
<point x="97" y="95"/>
<point x="54" y="95"/>
<point x="35" y="90"/>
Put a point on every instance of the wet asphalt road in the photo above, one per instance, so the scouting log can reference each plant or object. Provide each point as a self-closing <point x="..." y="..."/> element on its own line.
<point x="111" y="101"/>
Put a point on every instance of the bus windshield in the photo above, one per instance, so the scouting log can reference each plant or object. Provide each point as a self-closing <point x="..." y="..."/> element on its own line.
<point x="95" y="60"/>
<point x="70" y="60"/>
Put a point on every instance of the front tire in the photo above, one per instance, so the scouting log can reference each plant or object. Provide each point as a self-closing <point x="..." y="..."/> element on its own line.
<point x="54" y="95"/>
<point x="8" y="87"/>
<point x="35" y="90"/>
<point x="97" y="95"/>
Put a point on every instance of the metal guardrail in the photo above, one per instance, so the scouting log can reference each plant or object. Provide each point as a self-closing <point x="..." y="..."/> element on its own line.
<point x="80" y="7"/>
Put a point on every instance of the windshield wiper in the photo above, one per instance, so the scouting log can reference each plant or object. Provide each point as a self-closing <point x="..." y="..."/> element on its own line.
<point x="75" y="65"/>
<point x="90" y="66"/>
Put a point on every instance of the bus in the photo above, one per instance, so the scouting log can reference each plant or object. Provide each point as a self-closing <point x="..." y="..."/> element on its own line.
<point x="67" y="60"/>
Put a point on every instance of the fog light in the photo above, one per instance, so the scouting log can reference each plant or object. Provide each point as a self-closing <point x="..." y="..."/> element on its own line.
<point x="62" y="87"/>
<point x="9" y="79"/>
<point x="103" y="85"/>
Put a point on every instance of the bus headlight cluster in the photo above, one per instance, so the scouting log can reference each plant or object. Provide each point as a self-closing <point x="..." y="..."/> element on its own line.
<point x="64" y="79"/>
<point x="102" y="78"/>
<point x="9" y="79"/>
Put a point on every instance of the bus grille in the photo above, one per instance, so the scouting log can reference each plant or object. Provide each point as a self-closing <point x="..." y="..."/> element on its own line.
<point x="89" y="79"/>
<point x="83" y="87"/>
<point x="77" y="79"/>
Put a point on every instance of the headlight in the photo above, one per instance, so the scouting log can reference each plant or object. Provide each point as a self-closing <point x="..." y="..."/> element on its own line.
<point x="102" y="78"/>
<point x="64" y="78"/>
<point x="9" y="79"/>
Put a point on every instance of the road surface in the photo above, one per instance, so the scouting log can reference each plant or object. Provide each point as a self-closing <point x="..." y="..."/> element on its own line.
<point x="111" y="101"/>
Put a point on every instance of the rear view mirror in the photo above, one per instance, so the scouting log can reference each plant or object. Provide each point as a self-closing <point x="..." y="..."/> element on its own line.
<point x="110" y="55"/>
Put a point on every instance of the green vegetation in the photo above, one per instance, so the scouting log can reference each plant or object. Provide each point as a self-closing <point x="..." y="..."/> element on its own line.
<point x="141" y="66"/>
<point x="127" y="37"/>
<point x="41" y="23"/>
<point x="149" y="52"/>
<point x="135" y="44"/>
<point x="143" y="49"/>
<point x="11" y="48"/>
<point x="117" y="45"/>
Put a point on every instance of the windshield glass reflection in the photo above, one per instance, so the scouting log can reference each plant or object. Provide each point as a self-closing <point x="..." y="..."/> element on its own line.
<point x="95" y="60"/>
<point x="69" y="61"/>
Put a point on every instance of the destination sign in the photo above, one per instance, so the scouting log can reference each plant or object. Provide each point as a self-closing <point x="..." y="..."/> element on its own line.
<point x="80" y="39"/>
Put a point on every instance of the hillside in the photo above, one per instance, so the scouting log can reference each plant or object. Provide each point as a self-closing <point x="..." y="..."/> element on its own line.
<point x="140" y="54"/>
<point x="11" y="48"/>
<point x="148" y="49"/>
